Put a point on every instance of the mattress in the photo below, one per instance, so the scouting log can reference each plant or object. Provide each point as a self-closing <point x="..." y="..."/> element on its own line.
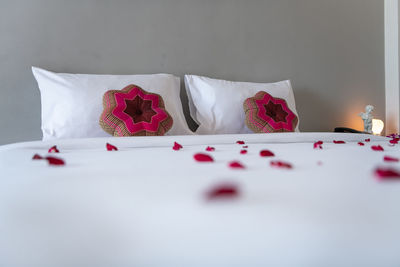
<point x="148" y="205"/>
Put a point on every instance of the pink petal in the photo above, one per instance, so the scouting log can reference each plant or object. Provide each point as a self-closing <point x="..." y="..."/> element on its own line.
<point x="111" y="147"/>
<point x="390" y="159"/>
<point x="386" y="173"/>
<point x="37" y="156"/>
<point x="245" y="146"/>
<point x="318" y="145"/>
<point x="281" y="164"/>
<point x="201" y="157"/>
<point x="236" y="165"/>
<point x="53" y="149"/>
<point x="210" y="149"/>
<point x="55" y="161"/>
<point x="361" y="144"/>
<point x="377" y="148"/>
<point x="367" y="140"/>
<point x="339" y="142"/>
<point x="266" y="153"/>
<point x="177" y="146"/>
<point x="243" y="151"/>
<point x="240" y="142"/>
<point x="223" y="191"/>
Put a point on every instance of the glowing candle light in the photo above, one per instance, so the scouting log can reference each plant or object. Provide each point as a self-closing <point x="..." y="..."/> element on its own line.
<point x="377" y="126"/>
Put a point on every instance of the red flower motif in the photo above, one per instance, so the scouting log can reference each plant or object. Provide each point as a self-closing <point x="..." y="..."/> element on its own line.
<point x="210" y="149"/>
<point x="377" y="148"/>
<point x="177" y="146"/>
<point x="240" y="142"/>
<point x="236" y="165"/>
<point x="53" y="149"/>
<point x="201" y="157"/>
<point x="386" y="173"/>
<point x="361" y="144"/>
<point x="223" y="191"/>
<point x="318" y="145"/>
<point x="111" y="147"/>
<point x="266" y="153"/>
<point x="281" y="164"/>
<point x="390" y="159"/>
<point x="243" y="151"/>
<point x="339" y="142"/>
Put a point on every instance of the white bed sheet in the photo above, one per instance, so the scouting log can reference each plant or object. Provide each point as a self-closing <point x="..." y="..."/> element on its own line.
<point x="145" y="204"/>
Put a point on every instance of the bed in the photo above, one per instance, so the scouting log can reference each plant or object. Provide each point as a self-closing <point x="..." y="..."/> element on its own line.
<point x="150" y="205"/>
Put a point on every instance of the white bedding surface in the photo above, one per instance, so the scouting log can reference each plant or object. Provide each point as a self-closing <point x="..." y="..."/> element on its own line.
<point x="145" y="204"/>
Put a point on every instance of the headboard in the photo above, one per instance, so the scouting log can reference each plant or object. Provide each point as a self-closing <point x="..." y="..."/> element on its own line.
<point x="333" y="51"/>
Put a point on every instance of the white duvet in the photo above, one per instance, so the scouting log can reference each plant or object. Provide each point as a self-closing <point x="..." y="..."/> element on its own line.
<point x="146" y="205"/>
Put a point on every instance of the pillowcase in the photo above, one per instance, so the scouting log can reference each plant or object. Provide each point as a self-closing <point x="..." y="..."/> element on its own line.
<point x="267" y="114"/>
<point x="217" y="105"/>
<point x="72" y="103"/>
<point x="133" y="111"/>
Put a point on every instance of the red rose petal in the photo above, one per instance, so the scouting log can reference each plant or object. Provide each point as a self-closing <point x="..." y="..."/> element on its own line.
<point x="240" y="142"/>
<point x="281" y="164"/>
<point x="201" y="157"/>
<point x="177" y="146"/>
<point x="367" y="140"/>
<point x="53" y="149"/>
<point x="386" y="173"/>
<point x="318" y="145"/>
<point x="377" y="148"/>
<point x="361" y="144"/>
<point x="266" y="153"/>
<point x="55" y="161"/>
<point x="243" y="151"/>
<point x="37" y="156"/>
<point x="236" y="165"/>
<point x="394" y="141"/>
<point x="111" y="147"/>
<point x="210" y="149"/>
<point x="339" y="142"/>
<point x="390" y="159"/>
<point x="223" y="191"/>
<point x="245" y="146"/>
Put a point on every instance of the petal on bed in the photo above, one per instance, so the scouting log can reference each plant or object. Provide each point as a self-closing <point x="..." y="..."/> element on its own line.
<point x="55" y="161"/>
<point x="339" y="142"/>
<point x="37" y="156"/>
<point x="111" y="147"/>
<point x="210" y="149"/>
<point x="177" y="146"/>
<point x="318" y="145"/>
<point x="201" y="157"/>
<point x="236" y="165"/>
<point x="223" y="191"/>
<point x="390" y="159"/>
<point x="394" y="141"/>
<point x="281" y="164"/>
<point x="387" y="173"/>
<point x="377" y="148"/>
<point x="266" y="153"/>
<point x="361" y="144"/>
<point x="53" y="149"/>
<point x="367" y="140"/>
<point x="240" y="142"/>
<point x="245" y="146"/>
<point x="243" y="151"/>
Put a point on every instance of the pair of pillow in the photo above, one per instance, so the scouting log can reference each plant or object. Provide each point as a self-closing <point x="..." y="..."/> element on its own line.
<point x="148" y="104"/>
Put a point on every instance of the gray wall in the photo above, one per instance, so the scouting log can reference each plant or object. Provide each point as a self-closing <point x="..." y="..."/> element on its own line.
<point x="332" y="50"/>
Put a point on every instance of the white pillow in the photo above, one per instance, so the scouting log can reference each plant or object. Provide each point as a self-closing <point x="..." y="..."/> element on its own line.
<point x="217" y="105"/>
<point x="72" y="103"/>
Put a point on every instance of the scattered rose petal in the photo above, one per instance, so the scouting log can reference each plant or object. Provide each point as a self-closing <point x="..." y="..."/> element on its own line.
<point x="377" y="148"/>
<point x="339" y="142"/>
<point x="281" y="164"/>
<point x="243" y="151"/>
<point x="177" y="146"/>
<point x="236" y="165"/>
<point x="245" y="146"/>
<point x="55" y="161"/>
<point x="386" y="173"/>
<point x="361" y="144"/>
<point x="240" y="142"/>
<point x="37" y="156"/>
<point x="266" y="153"/>
<point x="367" y="140"/>
<point x="201" y="157"/>
<point x="210" y="149"/>
<point x="111" y="147"/>
<point x="390" y="159"/>
<point x="318" y="145"/>
<point x="53" y="149"/>
<point x="223" y="191"/>
<point x="394" y="141"/>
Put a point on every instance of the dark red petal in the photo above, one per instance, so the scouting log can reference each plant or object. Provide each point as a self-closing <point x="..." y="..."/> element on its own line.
<point x="394" y="141"/>
<point x="111" y="147"/>
<point x="55" y="161"/>
<point x="53" y="149"/>
<point x="367" y="140"/>
<point x="318" y="145"/>
<point x="339" y="142"/>
<point x="361" y="144"/>
<point x="245" y="146"/>
<point x="177" y="146"/>
<point x="377" y="148"/>
<point x="266" y="153"/>
<point x="236" y="165"/>
<point x="386" y="173"/>
<point x="390" y="159"/>
<point x="201" y="157"/>
<point x="223" y="191"/>
<point x="281" y="164"/>
<point x="37" y="156"/>
<point x="210" y="149"/>
<point x="243" y="151"/>
<point x="240" y="142"/>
